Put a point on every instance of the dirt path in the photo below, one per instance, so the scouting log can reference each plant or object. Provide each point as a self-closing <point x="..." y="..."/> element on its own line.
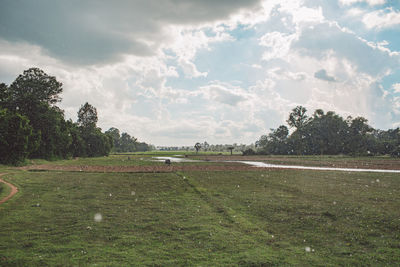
<point x="14" y="190"/>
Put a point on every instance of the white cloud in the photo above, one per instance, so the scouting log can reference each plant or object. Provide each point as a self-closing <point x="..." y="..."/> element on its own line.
<point x="355" y="12"/>
<point x="396" y="88"/>
<point x="381" y="19"/>
<point x="370" y="2"/>
<point x="277" y="44"/>
<point x="223" y="93"/>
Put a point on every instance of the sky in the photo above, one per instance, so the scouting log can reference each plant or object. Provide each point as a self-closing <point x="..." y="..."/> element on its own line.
<point x="177" y="72"/>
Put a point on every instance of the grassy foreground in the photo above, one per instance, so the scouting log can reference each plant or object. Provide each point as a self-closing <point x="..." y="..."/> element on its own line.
<point x="245" y="218"/>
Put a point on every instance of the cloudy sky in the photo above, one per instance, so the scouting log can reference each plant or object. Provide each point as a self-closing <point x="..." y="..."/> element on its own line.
<point x="174" y="72"/>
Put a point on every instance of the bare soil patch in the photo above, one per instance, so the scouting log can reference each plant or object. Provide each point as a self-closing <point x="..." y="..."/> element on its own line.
<point x="14" y="190"/>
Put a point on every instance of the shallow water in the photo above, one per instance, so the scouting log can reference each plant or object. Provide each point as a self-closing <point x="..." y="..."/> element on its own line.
<point x="267" y="165"/>
<point x="174" y="159"/>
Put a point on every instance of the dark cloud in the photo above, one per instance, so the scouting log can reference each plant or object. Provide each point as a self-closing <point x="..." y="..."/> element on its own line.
<point x="96" y="31"/>
<point x="322" y="75"/>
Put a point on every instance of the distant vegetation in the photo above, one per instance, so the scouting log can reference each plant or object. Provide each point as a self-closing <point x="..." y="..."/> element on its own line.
<point x="328" y="134"/>
<point x="32" y="126"/>
<point x="126" y="143"/>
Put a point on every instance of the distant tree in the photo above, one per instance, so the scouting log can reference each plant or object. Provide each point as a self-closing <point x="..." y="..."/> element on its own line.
<point x="127" y="143"/>
<point x="197" y="146"/>
<point x="87" y="116"/>
<point x="115" y="136"/>
<point x="206" y="146"/>
<point x="231" y="148"/>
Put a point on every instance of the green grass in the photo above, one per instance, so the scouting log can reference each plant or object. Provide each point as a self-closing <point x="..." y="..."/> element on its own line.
<point x="247" y="218"/>
<point x="4" y="190"/>
<point x="112" y="160"/>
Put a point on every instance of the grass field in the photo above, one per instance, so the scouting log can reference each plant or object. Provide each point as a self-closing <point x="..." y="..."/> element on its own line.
<point x="200" y="218"/>
<point x="4" y="190"/>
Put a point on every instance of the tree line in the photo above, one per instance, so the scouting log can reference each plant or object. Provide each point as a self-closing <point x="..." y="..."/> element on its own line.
<point x="126" y="143"/>
<point x="328" y="134"/>
<point x="32" y="126"/>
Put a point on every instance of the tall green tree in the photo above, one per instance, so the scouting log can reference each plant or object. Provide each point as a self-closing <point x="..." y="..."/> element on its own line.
<point x="32" y="88"/>
<point x="96" y="142"/>
<point x="127" y="143"/>
<point x="15" y="135"/>
<point x="115" y="136"/>
<point x="325" y="133"/>
<point x="359" y="135"/>
<point x="4" y="96"/>
<point x="275" y="142"/>
<point x="34" y="95"/>
<point x="298" y="119"/>
<point x="87" y="116"/>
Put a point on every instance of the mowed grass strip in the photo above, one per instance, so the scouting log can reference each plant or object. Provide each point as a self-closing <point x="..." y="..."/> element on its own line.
<point x="258" y="218"/>
<point x="315" y="217"/>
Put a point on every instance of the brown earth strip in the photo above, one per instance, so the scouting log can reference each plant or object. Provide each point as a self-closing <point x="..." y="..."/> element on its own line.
<point x="14" y="190"/>
<point x="161" y="168"/>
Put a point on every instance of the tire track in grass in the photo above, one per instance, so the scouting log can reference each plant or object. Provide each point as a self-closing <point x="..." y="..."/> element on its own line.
<point x="245" y="226"/>
<point x="14" y="189"/>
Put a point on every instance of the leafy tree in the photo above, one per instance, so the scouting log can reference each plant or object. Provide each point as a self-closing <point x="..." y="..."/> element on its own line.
<point x="32" y="88"/>
<point x="97" y="143"/>
<point x="142" y="146"/>
<point x="115" y="136"/>
<point x="33" y="94"/>
<point x="275" y="142"/>
<point x="298" y="118"/>
<point x="77" y="147"/>
<point x="4" y="96"/>
<point x="52" y="128"/>
<point x="127" y="143"/>
<point x="358" y="136"/>
<point x="87" y="116"/>
<point x="15" y="135"/>
<point x="325" y="133"/>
